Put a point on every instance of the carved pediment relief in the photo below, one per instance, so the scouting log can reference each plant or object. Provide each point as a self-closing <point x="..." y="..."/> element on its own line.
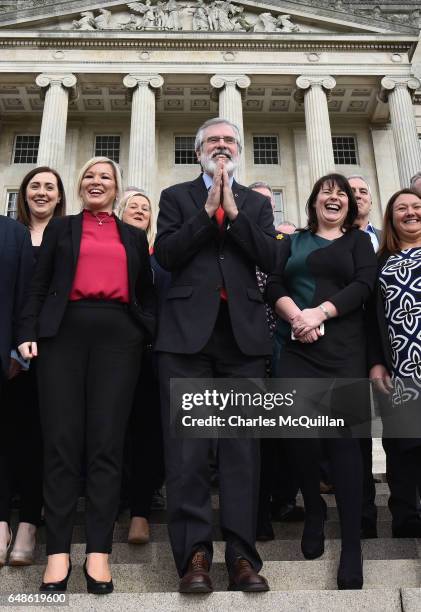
<point x="200" y="16"/>
<point x="191" y="16"/>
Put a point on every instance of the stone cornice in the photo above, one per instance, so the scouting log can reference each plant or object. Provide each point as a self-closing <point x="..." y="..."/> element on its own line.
<point x="213" y="41"/>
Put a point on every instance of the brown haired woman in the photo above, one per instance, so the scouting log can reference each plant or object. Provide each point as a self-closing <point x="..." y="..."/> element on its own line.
<point x="41" y="196"/>
<point x="395" y="353"/>
<point x="329" y="275"/>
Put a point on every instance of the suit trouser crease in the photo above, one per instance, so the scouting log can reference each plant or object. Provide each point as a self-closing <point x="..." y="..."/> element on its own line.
<point x="87" y="375"/>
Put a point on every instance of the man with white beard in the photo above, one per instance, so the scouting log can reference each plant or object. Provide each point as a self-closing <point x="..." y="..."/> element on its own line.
<point x="212" y="232"/>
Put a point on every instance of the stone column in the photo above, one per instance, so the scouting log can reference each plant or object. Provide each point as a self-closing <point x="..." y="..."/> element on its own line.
<point x="315" y="91"/>
<point x="56" y="89"/>
<point x="232" y="89"/>
<point x="142" y="130"/>
<point x="398" y="92"/>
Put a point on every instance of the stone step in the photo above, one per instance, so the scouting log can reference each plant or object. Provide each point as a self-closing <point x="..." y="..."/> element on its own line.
<point x="283" y="531"/>
<point x="387" y="600"/>
<point x="282" y="576"/>
<point x="155" y="553"/>
<point x="160" y="516"/>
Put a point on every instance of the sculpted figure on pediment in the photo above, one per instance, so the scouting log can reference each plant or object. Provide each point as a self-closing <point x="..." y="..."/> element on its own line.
<point x="201" y="21"/>
<point x="416" y="18"/>
<point x="148" y="21"/>
<point x="102" y="21"/>
<point x="266" y="22"/>
<point x="86" y="21"/>
<point x="173" y="10"/>
<point x="240" y="21"/>
<point x="285" y="24"/>
<point x="221" y="13"/>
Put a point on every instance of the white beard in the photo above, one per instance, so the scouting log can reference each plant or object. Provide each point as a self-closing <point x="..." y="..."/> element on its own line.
<point x="209" y="164"/>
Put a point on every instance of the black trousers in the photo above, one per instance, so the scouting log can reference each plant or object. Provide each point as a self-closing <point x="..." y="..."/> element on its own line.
<point x="145" y="449"/>
<point x="21" y="448"/>
<point x="86" y="376"/>
<point x="187" y="460"/>
<point x="403" y="473"/>
<point x="278" y="480"/>
<point x="344" y="456"/>
<point x="369" y="512"/>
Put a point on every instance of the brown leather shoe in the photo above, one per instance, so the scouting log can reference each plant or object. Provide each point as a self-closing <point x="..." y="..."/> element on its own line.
<point x="197" y="579"/>
<point x="244" y="577"/>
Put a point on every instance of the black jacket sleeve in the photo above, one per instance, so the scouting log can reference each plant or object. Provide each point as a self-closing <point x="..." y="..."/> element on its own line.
<point x="24" y="274"/>
<point x="356" y="293"/>
<point x="257" y="240"/>
<point x="275" y="287"/>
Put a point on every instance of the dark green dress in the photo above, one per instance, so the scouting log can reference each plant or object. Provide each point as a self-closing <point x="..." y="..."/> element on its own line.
<point x="341" y="271"/>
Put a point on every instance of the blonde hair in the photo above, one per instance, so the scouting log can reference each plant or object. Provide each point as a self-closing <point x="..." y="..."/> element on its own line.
<point x="99" y="160"/>
<point x="128" y="195"/>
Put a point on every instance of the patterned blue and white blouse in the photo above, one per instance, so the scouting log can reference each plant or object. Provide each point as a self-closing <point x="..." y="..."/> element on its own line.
<point x="400" y="283"/>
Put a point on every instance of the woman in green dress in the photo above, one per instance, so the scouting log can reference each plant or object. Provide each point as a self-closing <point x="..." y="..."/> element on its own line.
<point x="328" y="277"/>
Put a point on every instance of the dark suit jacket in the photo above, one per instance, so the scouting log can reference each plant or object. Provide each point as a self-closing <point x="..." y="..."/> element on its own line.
<point x="202" y="259"/>
<point x="379" y="351"/>
<point x="55" y="270"/>
<point x="16" y="263"/>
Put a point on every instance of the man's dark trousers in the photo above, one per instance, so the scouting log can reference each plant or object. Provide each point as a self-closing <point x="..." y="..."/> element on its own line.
<point x="187" y="460"/>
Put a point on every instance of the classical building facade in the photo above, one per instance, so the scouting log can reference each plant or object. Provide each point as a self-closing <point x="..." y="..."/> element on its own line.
<point x="314" y="86"/>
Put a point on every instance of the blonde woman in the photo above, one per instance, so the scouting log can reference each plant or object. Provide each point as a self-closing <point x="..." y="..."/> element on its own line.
<point x="90" y="306"/>
<point x="144" y="439"/>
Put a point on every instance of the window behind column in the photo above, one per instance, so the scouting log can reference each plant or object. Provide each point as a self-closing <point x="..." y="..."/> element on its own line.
<point x="25" y="150"/>
<point x="11" y="208"/>
<point x="279" y="212"/>
<point x="108" y="145"/>
<point x="265" y="149"/>
<point x="184" y="153"/>
<point x="345" y="150"/>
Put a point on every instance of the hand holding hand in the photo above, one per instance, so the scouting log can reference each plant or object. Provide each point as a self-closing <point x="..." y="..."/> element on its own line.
<point x="381" y="380"/>
<point x="309" y="319"/>
<point x="215" y="193"/>
<point x="311" y="337"/>
<point x="228" y="202"/>
<point x="28" y="350"/>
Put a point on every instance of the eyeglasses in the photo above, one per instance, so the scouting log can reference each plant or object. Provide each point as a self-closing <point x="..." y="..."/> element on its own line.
<point x="230" y="140"/>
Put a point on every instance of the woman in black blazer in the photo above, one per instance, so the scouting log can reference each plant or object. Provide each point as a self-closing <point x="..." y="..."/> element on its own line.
<point x="41" y="196"/>
<point x="144" y="447"/>
<point x="91" y="303"/>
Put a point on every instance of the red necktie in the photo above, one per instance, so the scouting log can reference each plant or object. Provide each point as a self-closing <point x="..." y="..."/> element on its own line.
<point x="220" y="216"/>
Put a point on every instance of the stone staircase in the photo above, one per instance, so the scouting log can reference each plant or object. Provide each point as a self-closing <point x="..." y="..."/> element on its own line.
<point x="145" y="577"/>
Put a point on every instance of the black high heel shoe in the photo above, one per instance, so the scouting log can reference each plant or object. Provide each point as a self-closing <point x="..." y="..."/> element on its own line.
<point x="57" y="587"/>
<point x="313" y="538"/>
<point x="97" y="587"/>
<point x="350" y="571"/>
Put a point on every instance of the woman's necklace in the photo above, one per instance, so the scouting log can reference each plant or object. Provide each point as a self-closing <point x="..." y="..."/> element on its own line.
<point x="103" y="220"/>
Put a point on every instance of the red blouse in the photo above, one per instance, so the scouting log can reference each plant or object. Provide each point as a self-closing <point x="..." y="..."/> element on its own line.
<point x="101" y="271"/>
